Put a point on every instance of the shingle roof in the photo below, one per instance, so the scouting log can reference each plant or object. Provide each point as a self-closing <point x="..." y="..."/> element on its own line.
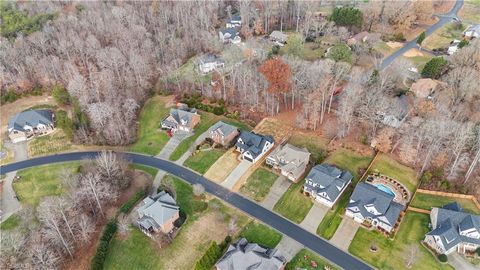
<point x="253" y="142"/>
<point x="291" y="159"/>
<point x="179" y="115"/>
<point x="250" y="256"/>
<point x="328" y="179"/>
<point x="32" y="118"/>
<point x="280" y="36"/>
<point x="223" y="128"/>
<point x="157" y="210"/>
<point x="232" y="31"/>
<point x="210" y="58"/>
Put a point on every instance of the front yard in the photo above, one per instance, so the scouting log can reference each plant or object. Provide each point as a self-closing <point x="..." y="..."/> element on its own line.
<point x="442" y="37"/>
<point x="393" y="254"/>
<point x="258" y="184"/>
<point x="304" y="259"/>
<point x="263" y="235"/>
<point x="333" y="218"/>
<point x="427" y="201"/>
<point x="387" y="166"/>
<point x="49" y="144"/>
<point x="38" y="182"/>
<point x="202" y="160"/>
<point x="223" y="166"/>
<point x="348" y="160"/>
<point x="293" y="204"/>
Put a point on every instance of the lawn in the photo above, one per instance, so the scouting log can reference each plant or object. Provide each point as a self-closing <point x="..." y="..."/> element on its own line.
<point x="258" y="184"/>
<point x="303" y="260"/>
<point x="185" y="198"/>
<point x="10" y="223"/>
<point x="150" y="140"/>
<point x="383" y="48"/>
<point x="223" y="166"/>
<point x="48" y="144"/>
<point x="202" y="160"/>
<point x="333" y="218"/>
<point x="387" y="166"/>
<point x="392" y="254"/>
<point x="349" y="160"/>
<point x="315" y="144"/>
<point x="7" y="152"/>
<point x="187" y="72"/>
<point x="150" y="170"/>
<point x="470" y="11"/>
<point x="42" y="181"/>
<point x="263" y="235"/>
<point x="419" y="61"/>
<point x="293" y="204"/>
<point x="443" y="36"/>
<point x="427" y="201"/>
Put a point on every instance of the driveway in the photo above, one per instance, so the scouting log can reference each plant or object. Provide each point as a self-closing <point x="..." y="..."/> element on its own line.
<point x="314" y="217"/>
<point x="345" y="233"/>
<point x="288" y="247"/>
<point x="20" y="151"/>
<point x="189" y="152"/>
<point x="276" y="191"/>
<point x="10" y="204"/>
<point x="459" y="262"/>
<point x="236" y="174"/>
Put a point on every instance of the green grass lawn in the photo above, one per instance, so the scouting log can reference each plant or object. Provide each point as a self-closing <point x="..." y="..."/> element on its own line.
<point x="303" y="260"/>
<point x="333" y="218"/>
<point x="391" y="168"/>
<point x="349" y="160"/>
<point x="419" y="61"/>
<point x="293" y="204"/>
<point x="187" y="72"/>
<point x="258" y="184"/>
<point x="150" y="170"/>
<point x="427" y="201"/>
<point x="150" y="140"/>
<point x="263" y="235"/>
<point x="42" y="181"/>
<point x="383" y="48"/>
<point x="391" y="254"/>
<point x="185" y="197"/>
<point x="316" y="145"/>
<point x="10" y="223"/>
<point x="442" y="37"/>
<point x="202" y="160"/>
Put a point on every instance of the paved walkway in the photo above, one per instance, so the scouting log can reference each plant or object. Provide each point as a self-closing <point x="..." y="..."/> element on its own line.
<point x="288" y="247"/>
<point x="345" y="233"/>
<point x="190" y="151"/>
<point x="236" y="174"/>
<point x="10" y="204"/>
<point x="276" y="191"/>
<point x="459" y="263"/>
<point x="314" y="217"/>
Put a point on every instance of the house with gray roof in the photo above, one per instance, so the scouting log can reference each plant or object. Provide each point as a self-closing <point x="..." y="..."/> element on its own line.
<point x="229" y="35"/>
<point x="181" y="120"/>
<point x="234" y="21"/>
<point x="30" y="123"/>
<point x="473" y="31"/>
<point x="158" y="213"/>
<point x="223" y="133"/>
<point x="209" y="62"/>
<point x="243" y="255"/>
<point x="290" y="160"/>
<point x="370" y="203"/>
<point x="325" y="183"/>
<point x="253" y="146"/>
<point x="453" y="229"/>
<point x="278" y="37"/>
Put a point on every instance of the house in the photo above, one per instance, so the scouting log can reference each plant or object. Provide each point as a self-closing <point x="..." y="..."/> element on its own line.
<point x="424" y="88"/>
<point x="453" y="229"/>
<point x="369" y="203"/>
<point x="244" y="255"/>
<point x="209" y="62"/>
<point x="360" y="37"/>
<point x="279" y="38"/>
<point x="158" y="214"/>
<point x="223" y="133"/>
<point x="473" y="31"/>
<point x="253" y="146"/>
<point x="229" y="35"/>
<point x="30" y="123"/>
<point x="290" y="160"/>
<point x="180" y="120"/>
<point x="453" y="48"/>
<point x="234" y="21"/>
<point x="325" y="183"/>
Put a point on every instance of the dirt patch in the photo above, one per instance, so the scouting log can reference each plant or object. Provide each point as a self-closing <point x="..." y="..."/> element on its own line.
<point x="84" y="255"/>
<point x="274" y="127"/>
<point x="219" y="171"/>
<point x="394" y="45"/>
<point x="413" y="53"/>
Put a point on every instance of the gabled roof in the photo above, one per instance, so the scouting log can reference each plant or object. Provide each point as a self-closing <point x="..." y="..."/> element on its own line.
<point x="31" y="118"/>
<point x="223" y="128"/>
<point x="235" y="18"/>
<point x="179" y="115"/>
<point x="157" y="210"/>
<point x="291" y="159"/>
<point x="210" y="58"/>
<point x="328" y="179"/>
<point x="473" y="28"/>
<point x="250" y="256"/>
<point x="280" y="36"/>
<point x="232" y="31"/>
<point x="252" y="142"/>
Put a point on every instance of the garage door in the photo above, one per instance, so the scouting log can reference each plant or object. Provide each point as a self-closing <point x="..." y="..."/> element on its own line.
<point x="247" y="159"/>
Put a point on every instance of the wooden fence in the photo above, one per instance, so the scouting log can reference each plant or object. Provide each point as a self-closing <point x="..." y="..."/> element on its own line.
<point x="418" y="210"/>
<point x="451" y="195"/>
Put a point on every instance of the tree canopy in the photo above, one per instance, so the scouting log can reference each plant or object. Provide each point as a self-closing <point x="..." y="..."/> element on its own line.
<point x="340" y="53"/>
<point x="434" y="68"/>
<point x="278" y="75"/>
<point x="347" y="16"/>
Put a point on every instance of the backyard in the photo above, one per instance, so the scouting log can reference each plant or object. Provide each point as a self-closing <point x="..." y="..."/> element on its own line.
<point x="393" y="254"/>
<point x="303" y="260"/>
<point x="427" y="201"/>
<point x="38" y="182"/>
<point x="293" y="204"/>
<point x="263" y="235"/>
<point x="315" y="144"/>
<point x="348" y="160"/>
<point x="333" y="218"/>
<point x="202" y="160"/>
<point x="150" y="139"/>
<point x="387" y="166"/>
<point x="258" y="184"/>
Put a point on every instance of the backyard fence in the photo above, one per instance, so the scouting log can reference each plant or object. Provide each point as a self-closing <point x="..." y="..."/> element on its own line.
<point x="451" y="195"/>
<point x="418" y="210"/>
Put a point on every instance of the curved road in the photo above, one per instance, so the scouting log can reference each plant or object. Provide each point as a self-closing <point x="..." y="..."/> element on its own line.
<point x="443" y="19"/>
<point x="309" y="240"/>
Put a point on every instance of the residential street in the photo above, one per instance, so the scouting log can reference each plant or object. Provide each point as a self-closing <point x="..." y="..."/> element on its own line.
<point x="288" y="228"/>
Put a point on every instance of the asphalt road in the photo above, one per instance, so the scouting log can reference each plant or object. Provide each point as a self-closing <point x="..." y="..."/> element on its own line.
<point x="309" y="240"/>
<point x="443" y="19"/>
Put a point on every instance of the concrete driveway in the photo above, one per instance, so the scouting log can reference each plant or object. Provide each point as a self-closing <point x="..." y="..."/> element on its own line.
<point x="276" y="191"/>
<point x="460" y="263"/>
<point x="288" y="247"/>
<point x="10" y="204"/>
<point x="314" y="217"/>
<point x="20" y="151"/>
<point x="190" y="150"/>
<point x="345" y="233"/>
<point x="236" y="174"/>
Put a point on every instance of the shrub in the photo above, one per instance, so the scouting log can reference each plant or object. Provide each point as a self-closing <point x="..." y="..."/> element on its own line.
<point x="126" y="207"/>
<point x="102" y="249"/>
<point x="347" y="16"/>
<point x="443" y="258"/>
<point x="208" y="260"/>
<point x="399" y="37"/>
<point x="10" y="96"/>
<point x="421" y="38"/>
<point x="64" y="122"/>
<point x="444" y="184"/>
<point x="426" y="177"/>
<point x="363" y="139"/>
<point x="434" y="68"/>
<point x="341" y="52"/>
<point x="463" y="43"/>
<point x="60" y="94"/>
<point x="478" y="251"/>
<point x="294" y="46"/>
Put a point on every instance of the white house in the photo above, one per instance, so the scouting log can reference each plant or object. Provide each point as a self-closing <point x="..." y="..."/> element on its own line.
<point x="473" y="31"/>
<point x="453" y="48"/>
<point x="234" y="21"/>
<point x="229" y="35"/>
<point x="30" y="123"/>
<point x="290" y="160"/>
<point x="209" y="62"/>
<point x="253" y="146"/>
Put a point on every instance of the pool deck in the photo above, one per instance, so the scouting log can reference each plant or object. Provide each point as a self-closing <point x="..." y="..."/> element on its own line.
<point x="401" y="193"/>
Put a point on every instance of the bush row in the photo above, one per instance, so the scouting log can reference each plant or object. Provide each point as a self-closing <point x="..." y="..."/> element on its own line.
<point x="102" y="249"/>
<point x="212" y="255"/>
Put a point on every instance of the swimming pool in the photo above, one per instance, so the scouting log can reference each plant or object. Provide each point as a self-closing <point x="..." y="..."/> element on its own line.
<point x="385" y="189"/>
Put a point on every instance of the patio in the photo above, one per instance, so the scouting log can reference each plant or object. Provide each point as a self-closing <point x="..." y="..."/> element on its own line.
<point x="390" y="185"/>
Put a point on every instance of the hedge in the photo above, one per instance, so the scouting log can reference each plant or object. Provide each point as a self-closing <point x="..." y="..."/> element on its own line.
<point x="212" y="255"/>
<point x="102" y="249"/>
<point x="443" y="258"/>
<point x="126" y="207"/>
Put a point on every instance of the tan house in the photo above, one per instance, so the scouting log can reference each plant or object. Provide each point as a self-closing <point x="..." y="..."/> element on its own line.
<point x="181" y="120"/>
<point x="223" y="133"/>
<point x="424" y="88"/>
<point x="290" y="160"/>
<point x="28" y="124"/>
<point x="158" y="214"/>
